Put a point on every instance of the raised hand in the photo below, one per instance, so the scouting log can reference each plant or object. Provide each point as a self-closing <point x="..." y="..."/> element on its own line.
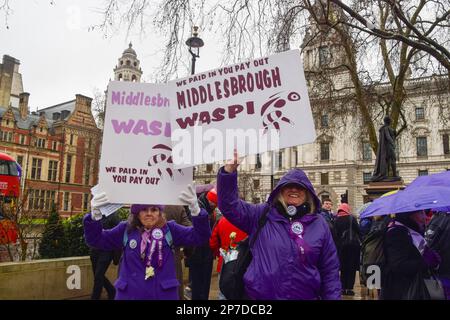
<point x="232" y="165"/>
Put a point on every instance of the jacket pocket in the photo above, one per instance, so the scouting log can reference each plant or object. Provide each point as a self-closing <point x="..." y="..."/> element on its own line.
<point x="169" y="284"/>
<point x="121" y="284"/>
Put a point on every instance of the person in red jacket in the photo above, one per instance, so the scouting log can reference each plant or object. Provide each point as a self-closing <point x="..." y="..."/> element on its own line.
<point x="220" y="238"/>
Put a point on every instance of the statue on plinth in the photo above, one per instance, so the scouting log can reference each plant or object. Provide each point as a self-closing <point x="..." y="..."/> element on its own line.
<point x="385" y="164"/>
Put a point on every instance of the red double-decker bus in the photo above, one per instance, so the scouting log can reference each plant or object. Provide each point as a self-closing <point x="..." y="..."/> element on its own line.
<point x="10" y="172"/>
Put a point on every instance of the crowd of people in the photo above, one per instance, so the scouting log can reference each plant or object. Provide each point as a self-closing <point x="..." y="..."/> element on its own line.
<point x="302" y="249"/>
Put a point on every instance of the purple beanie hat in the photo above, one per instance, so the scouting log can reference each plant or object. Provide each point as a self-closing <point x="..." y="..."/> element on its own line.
<point x="136" y="208"/>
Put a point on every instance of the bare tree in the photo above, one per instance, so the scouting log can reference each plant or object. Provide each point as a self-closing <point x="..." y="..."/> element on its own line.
<point x="28" y="231"/>
<point x="7" y="9"/>
<point x="382" y="44"/>
<point x="99" y="106"/>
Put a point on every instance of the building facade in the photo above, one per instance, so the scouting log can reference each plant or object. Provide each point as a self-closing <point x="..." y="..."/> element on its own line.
<point x="341" y="160"/>
<point x="57" y="147"/>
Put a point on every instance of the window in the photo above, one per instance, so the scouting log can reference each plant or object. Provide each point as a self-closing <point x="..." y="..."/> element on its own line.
<point x="52" y="170"/>
<point x="66" y="201"/>
<point x="420" y="113"/>
<point x="367" y="176"/>
<point x="39" y="143"/>
<point x="324" y="178"/>
<point x="296" y="156"/>
<point x="422" y="173"/>
<point x="71" y="139"/>
<point x="6" y="136"/>
<point x="325" y="151"/>
<point x="22" y="139"/>
<point x="280" y="160"/>
<point x="40" y="199"/>
<point x="20" y="160"/>
<point x="324" y="121"/>
<point x="88" y="171"/>
<point x="85" y="201"/>
<point x="367" y="151"/>
<point x="30" y="198"/>
<point x="36" y="167"/>
<point x="209" y="167"/>
<point x="446" y="143"/>
<point x="256" y="183"/>
<point x="258" y="164"/>
<point x="324" y="55"/>
<point x="54" y="145"/>
<point x="49" y="199"/>
<point x="68" y="167"/>
<point x="421" y="144"/>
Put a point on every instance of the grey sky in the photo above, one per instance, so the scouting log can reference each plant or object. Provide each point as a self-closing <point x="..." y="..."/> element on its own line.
<point x="60" y="58"/>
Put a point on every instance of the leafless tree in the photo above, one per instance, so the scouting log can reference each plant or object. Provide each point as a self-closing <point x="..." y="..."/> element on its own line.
<point x="384" y="44"/>
<point x="24" y="220"/>
<point x="98" y="107"/>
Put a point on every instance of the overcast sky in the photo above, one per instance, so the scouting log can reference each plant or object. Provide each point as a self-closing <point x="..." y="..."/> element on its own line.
<point x="60" y="58"/>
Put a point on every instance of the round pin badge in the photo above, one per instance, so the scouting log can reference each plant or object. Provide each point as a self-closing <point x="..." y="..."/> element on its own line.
<point x="291" y="210"/>
<point x="297" y="228"/>
<point x="157" y="234"/>
<point x="133" y="244"/>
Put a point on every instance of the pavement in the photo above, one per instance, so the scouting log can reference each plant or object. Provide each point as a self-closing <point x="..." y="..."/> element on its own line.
<point x="361" y="293"/>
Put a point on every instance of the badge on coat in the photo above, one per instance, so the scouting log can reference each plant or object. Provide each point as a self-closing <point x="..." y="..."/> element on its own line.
<point x="157" y="234"/>
<point x="297" y="228"/>
<point x="133" y="244"/>
<point x="291" y="210"/>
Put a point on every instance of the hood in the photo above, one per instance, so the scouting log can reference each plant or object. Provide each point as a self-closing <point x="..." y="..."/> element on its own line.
<point x="299" y="177"/>
<point x="345" y="208"/>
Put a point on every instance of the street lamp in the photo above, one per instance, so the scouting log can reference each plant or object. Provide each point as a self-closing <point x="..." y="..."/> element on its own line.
<point x="194" y="42"/>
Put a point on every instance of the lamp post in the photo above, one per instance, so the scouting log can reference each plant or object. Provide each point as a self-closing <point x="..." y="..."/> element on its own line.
<point x="196" y="43"/>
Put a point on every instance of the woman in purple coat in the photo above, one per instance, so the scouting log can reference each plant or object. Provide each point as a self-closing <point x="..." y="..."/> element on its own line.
<point x="294" y="256"/>
<point x="147" y="269"/>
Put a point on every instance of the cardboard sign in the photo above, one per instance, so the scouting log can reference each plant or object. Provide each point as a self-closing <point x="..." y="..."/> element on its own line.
<point x="256" y="106"/>
<point x="136" y="159"/>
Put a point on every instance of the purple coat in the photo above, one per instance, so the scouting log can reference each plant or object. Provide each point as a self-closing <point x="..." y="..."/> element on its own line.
<point x="276" y="271"/>
<point x="131" y="283"/>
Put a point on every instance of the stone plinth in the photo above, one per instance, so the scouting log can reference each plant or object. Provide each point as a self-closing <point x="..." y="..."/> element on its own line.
<point x="376" y="189"/>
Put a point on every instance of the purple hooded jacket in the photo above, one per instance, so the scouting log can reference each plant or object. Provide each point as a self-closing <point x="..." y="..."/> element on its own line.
<point x="276" y="271"/>
<point x="131" y="283"/>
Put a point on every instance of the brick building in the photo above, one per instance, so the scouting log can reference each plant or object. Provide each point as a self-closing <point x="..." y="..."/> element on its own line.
<point x="58" y="147"/>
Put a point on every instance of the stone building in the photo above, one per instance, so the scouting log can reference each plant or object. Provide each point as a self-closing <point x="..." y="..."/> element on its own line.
<point x="57" y="147"/>
<point x="341" y="159"/>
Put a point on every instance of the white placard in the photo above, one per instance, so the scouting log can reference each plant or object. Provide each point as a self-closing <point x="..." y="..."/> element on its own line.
<point x="109" y="208"/>
<point x="256" y="106"/>
<point x="136" y="160"/>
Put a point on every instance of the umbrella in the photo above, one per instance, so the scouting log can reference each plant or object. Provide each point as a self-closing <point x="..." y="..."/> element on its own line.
<point x="438" y="179"/>
<point x="376" y="207"/>
<point x="199" y="189"/>
<point x="410" y="199"/>
<point x="362" y="208"/>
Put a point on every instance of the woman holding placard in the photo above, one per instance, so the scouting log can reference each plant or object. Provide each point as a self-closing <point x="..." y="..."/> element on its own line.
<point x="147" y="270"/>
